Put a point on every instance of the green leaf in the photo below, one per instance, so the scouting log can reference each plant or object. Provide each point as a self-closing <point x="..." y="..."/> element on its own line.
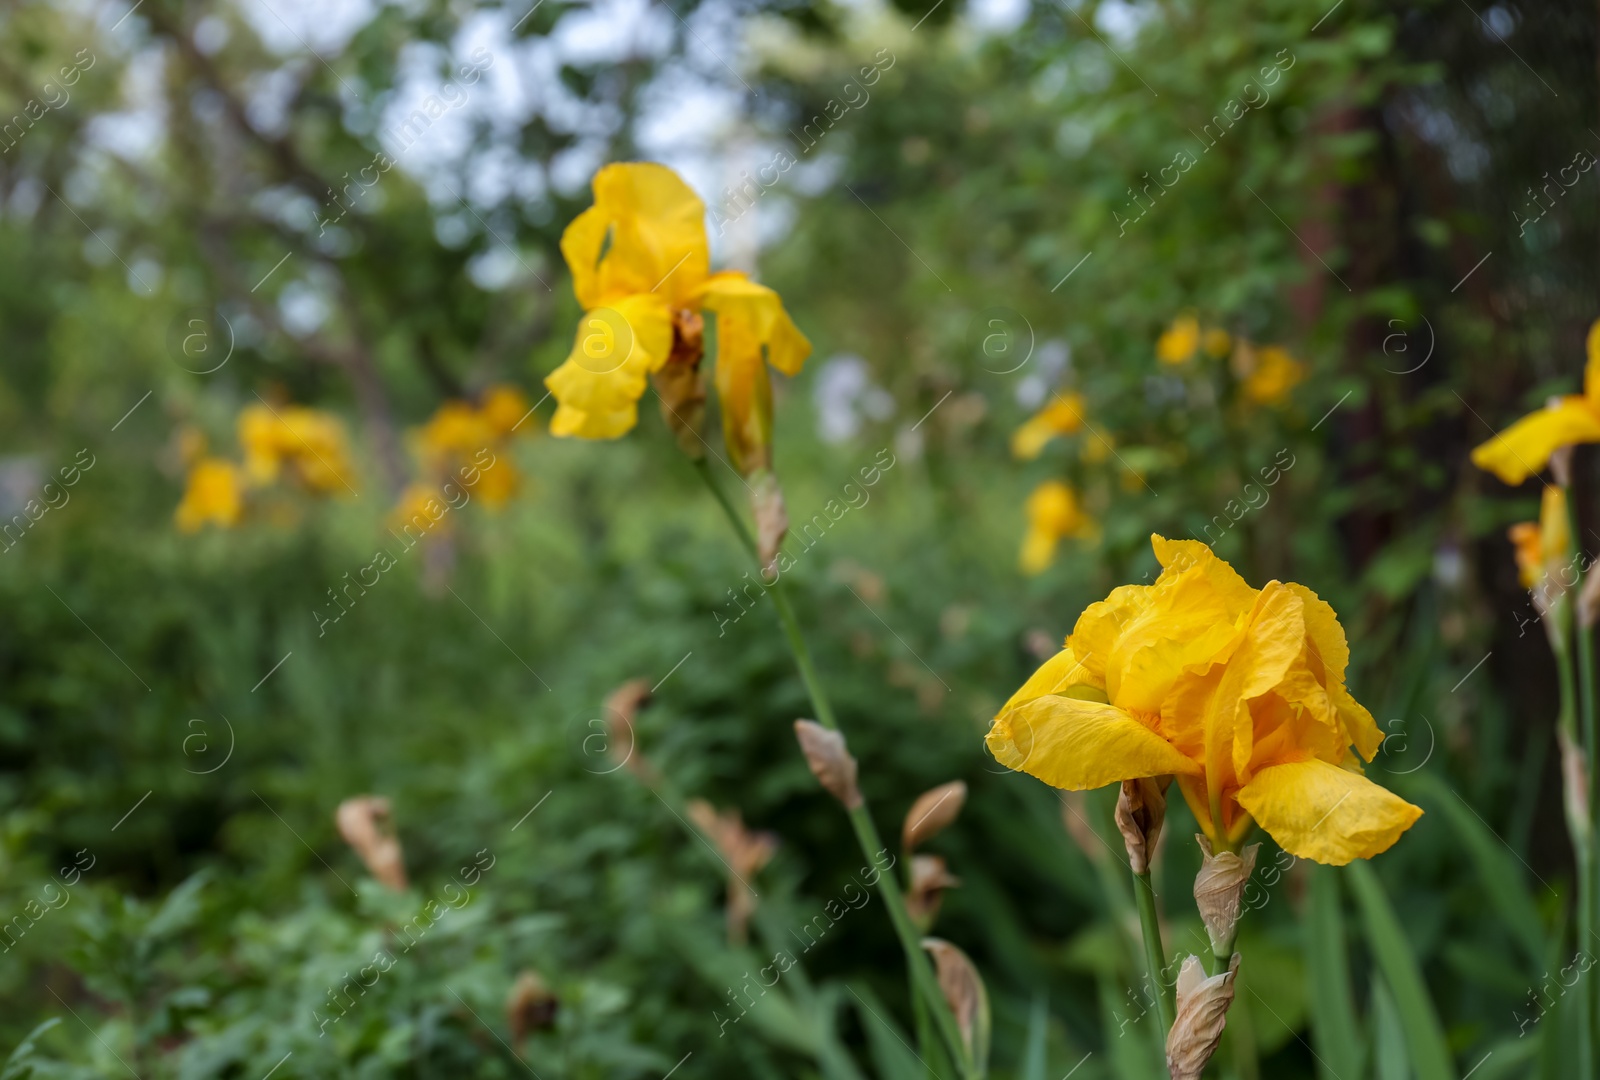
<point x="892" y="1055"/>
<point x="1424" y="1034"/>
<point x="1499" y="872"/>
<point x="1034" y="1063"/>
<point x="18" y="1065"/>
<point x="1334" y="1028"/>
<point x="1388" y="1037"/>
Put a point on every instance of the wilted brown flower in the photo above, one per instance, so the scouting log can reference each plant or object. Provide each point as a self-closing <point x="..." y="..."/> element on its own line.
<point x="1219" y="888"/>
<point x="929" y="880"/>
<point x="964" y="991"/>
<point x="621" y="707"/>
<point x="1202" y="1014"/>
<point x="772" y="519"/>
<point x="745" y="853"/>
<point x="530" y="1006"/>
<point x="1141" y="809"/>
<point x="365" y="823"/>
<point x="933" y="812"/>
<point x="830" y="762"/>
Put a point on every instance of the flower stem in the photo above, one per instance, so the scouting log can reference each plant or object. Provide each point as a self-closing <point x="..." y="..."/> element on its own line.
<point x="1582" y="843"/>
<point x="1155" y="954"/>
<point x="923" y="980"/>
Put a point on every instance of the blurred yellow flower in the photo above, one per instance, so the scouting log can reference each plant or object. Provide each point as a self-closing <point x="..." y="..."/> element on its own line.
<point x="459" y="435"/>
<point x="1237" y="692"/>
<point x="1217" y="343"/>
<point x="1543" y="547"/>
<point x="1054" y="514"/>
<point x="641" y="267"/>
<point x="1271" y="375"/>
<point x="1177" y="344"/>
<point x="306" y="443"/>
<point x="1063" y="416"/>
<point x="214" y="494"/>
<point x="420" y="512"/>
<point x="1525" y="447"/>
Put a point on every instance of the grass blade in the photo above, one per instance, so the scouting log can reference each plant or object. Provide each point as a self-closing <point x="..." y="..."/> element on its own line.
<point x="1334" y="1028"/>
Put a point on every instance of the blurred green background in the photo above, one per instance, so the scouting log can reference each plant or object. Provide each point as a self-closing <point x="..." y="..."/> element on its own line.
<point x="981" y="225"/>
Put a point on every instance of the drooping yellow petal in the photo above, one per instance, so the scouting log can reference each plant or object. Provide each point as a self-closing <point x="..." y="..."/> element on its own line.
<point x="645" y="233"/>
<point x="1591" y="369"/>
<point x="1525" y="447"/>
<point x="1177" y="344"/>
<point x="1061" y="674"/>
<point x="597" y="388"/>
<point x="1322" y="812"/>
<point x="214" y="494"/>
<point x="753" y="330"/>
<point x="1078" y="745"/>
<point x="1063" y="416"/>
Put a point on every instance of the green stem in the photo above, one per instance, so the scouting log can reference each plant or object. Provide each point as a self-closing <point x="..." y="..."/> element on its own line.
<point x="1582" y="842"/>
<point x="923" y="980"/>
<point x="1155" y="954"/>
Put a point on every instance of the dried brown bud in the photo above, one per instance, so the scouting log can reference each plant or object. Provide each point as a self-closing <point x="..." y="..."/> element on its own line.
<point x="1141" y="809"/>
<point x="1219" y="888"/>
<point x="530" y="1006"/>
<point x="1201" y="1015"/>
<point x="963" y="989"/>
<point x="830" y="762"/>
<point x="772" y="520"/>
<point x="929" y="880"/>
<point x="679" y="386"/>
<point x="932" y="813"/>
<point x="743" y="850"/>
<point x="620" y="709"/>
<point x="366" y="825"/>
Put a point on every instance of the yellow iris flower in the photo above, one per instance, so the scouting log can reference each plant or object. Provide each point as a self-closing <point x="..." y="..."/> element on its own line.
<point x="640" y="267"/>
<point x="213" y="494"/>
<point x="307" y="443"/>
<point x="1054" y="513"/>
<point x="1544" y="547"/>
<point x="1525" y="447"/>
<point x="458" y="434"/>
<point x="1063" y="416"/>
<point x="1236" y="692"/>
<point x="1272" y="374"/>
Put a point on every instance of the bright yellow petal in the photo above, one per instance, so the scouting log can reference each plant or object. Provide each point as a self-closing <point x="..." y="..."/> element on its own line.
<point x="598" y="387"/>
<point x="1322" y="812"/>
<point x="752" y="331"/>
<point x="1061" y="674"/>
<point x="646" y="233"/>
<point x="1077" y="745"/>
<point x="1525" y="447"/>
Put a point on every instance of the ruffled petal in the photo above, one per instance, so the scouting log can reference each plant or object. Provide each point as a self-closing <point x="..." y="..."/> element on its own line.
<point x="645" y="233"/>
<point x="1061" y="674"/>
<point x="1325" y="813"/>
<point x="1525" y="447"/>
<point x="598" y="387"/>
<point x="1077" y="745"/>
<point x="752" y="331"/>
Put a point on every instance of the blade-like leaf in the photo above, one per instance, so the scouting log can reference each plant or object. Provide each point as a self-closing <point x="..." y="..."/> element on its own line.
<point x="1335" y="1030"/>
<point x="1424" y="1034"/>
